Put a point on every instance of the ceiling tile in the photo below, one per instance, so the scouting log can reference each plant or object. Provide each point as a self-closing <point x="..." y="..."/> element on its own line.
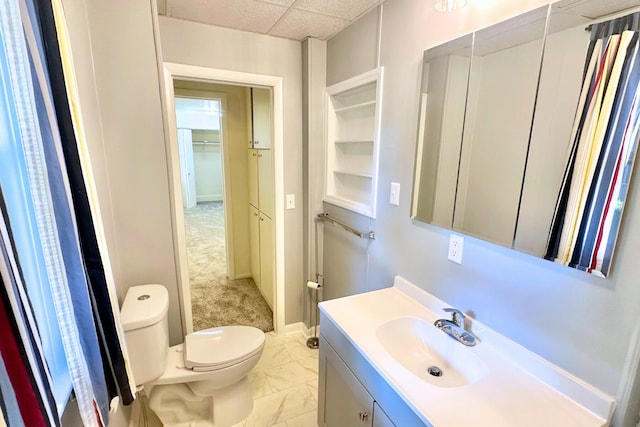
<point x="340" y="8"/>
<point x="299" y="24"/>
<point x="595" y="9"/>
<point x="280" y="2"/>
<point x="247" y="15"/>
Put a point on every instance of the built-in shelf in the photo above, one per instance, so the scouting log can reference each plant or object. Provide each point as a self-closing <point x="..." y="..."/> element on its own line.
<point x="367" y="104"/>
<point x="357" y="174"/>
<point x="353" y="142"/>
<point x="353" y="123"/>
<point x="216" y="143"/>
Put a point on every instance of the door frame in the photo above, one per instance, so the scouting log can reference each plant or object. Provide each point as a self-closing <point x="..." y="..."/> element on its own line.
<point x="173" y="71"/>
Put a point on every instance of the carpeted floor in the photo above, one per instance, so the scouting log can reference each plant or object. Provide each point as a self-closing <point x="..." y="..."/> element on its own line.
<point x="215" y="300"/>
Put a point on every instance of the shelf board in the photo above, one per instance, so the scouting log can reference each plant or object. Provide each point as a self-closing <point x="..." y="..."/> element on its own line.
<point x="355" y="106"/>
<point x="356" y="174"/>
<point x="353" y="141"/>
<point x="350" y="204"/>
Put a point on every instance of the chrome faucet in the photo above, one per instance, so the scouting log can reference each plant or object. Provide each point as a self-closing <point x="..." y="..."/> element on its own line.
<point x="455" y="327"/>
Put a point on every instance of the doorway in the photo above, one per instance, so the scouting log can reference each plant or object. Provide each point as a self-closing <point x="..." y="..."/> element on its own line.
<point x="198" y="75"/>
<point x="223" y="240"/>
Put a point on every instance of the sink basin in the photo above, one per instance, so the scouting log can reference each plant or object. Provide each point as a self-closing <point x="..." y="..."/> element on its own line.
<point x="420" y="347"/>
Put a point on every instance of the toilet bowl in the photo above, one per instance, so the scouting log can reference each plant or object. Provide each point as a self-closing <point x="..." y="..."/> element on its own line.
<point x="202" y="382"/>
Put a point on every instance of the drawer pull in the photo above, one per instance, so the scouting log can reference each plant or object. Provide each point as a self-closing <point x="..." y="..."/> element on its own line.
<point x="363" y="416"/>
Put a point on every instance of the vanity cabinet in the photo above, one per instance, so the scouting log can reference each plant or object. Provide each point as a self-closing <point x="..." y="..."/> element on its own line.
<point x="380" y="418"/>
<point x="346" y="401"/>
<point x="350" y="391"/>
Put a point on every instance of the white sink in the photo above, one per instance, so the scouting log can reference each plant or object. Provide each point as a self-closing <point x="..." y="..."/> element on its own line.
<point x="417" y="345"/>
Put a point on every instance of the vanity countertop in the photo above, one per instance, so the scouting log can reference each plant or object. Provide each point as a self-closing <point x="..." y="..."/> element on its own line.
<point x="514" y="392"/>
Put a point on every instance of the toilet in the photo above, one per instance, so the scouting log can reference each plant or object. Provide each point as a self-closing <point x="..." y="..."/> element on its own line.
<point x="203" y="382"/>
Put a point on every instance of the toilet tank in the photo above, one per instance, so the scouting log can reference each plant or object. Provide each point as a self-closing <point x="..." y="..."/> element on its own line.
<point x="144" y="319"/>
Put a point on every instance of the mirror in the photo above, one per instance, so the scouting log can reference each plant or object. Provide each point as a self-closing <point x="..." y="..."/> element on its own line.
<point x="585" y="135"/>
<point x="445" y="73"/>
<point x="502" y="91"/>
<point x="545" y="155"/>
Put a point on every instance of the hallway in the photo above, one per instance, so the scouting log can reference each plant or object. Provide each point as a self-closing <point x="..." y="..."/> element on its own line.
<point x="216" y="300"/>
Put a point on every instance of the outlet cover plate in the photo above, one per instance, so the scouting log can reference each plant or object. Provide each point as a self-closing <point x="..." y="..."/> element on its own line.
<point x="394" y="194"/>
<point x="456" y="245"/>
<point x="291" y="201"/>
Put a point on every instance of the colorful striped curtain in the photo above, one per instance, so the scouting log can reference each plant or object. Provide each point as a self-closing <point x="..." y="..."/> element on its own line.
<point x="602" y="151"/>
<point x="50" y="247"/>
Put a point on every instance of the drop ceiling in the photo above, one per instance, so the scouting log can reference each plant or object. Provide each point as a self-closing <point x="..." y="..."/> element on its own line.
<point x="291" y="19"/>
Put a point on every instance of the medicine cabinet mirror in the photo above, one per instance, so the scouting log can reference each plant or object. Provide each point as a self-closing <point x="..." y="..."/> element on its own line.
<point x="549" y="133"/>
<point x="445" y="73"/>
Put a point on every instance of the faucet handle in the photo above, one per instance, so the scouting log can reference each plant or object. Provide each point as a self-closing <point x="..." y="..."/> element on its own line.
<point x="457" y="316"/>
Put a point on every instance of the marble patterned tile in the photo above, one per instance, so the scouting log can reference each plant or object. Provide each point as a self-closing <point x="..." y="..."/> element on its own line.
<point x="272" y="339"/>
<point x="312" y="386"/>
<point x="259" y="385"/>
<point x="281" y="406"/>
<point x="311" y="364"/>
<point x="310" y="419"/>
<point x="287" y="376"/>
<point x="273" y="356"/>
<point x="298" y="350"/>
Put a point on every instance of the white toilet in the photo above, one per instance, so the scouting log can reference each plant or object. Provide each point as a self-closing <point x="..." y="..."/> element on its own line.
<point x="202" y="382"/>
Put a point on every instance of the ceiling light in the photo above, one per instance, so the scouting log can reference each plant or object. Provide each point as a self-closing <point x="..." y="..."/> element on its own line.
<point x="450" y="5"/>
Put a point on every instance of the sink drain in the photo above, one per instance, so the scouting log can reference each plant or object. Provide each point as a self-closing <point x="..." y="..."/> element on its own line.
<point x="435" y="371"/>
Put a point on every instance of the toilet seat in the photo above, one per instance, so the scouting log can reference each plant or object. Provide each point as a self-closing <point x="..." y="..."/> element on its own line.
<point x="218" y="348"/>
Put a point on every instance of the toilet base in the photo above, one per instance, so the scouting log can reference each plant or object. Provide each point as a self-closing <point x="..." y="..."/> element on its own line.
<point x="177" y="405"/>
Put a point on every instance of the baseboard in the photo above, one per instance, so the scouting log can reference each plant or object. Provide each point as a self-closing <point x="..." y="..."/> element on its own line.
<point x="242" y="276"/>
<point x="300" y="328"/>
<point x="209" y="198"/>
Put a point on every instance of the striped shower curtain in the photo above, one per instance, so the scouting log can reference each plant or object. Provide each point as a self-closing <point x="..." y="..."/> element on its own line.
<point x="50" y="247"/>
<point x="602" y="151"/>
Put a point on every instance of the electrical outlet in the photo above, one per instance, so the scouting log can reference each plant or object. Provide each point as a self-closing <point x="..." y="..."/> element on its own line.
<point x="456" y="244"/>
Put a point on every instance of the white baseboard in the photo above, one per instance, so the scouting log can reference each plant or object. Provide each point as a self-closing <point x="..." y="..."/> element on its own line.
<point x="210" y="198"/>
<point x="300" y="328"/>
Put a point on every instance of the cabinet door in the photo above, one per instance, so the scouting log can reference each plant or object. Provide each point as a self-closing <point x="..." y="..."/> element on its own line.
<point x="266" y="258"/>
<point x="346" y="402"/>
<point x="262" y="118"/>
<point x="265" y="182"/>
<point x="253" y="178"/>
<point x="380" y="419"/>
<point x="254" y="244"/>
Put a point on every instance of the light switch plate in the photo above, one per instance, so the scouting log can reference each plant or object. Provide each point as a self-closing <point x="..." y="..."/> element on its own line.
<point x="456" y="244"/>
<point x="291" y="201"/>
<point x="394" y="194"/>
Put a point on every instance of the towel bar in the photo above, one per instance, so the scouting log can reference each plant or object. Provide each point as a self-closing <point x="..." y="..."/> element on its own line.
<point x="371" y="235"/>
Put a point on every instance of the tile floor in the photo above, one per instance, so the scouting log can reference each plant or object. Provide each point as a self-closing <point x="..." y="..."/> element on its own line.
<point x="285" y="384"/>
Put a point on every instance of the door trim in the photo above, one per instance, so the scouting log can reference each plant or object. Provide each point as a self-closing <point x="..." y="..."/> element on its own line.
<point x="173" y="71"/>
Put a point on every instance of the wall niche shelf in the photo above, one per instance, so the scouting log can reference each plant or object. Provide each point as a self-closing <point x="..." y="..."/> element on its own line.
<point x="353" y="125"/>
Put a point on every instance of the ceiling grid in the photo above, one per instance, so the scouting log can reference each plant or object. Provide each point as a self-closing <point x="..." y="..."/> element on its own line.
<point x="291" y="19"/>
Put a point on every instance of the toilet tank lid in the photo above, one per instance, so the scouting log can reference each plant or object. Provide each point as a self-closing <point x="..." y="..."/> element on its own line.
<point x="143" y="306"/>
